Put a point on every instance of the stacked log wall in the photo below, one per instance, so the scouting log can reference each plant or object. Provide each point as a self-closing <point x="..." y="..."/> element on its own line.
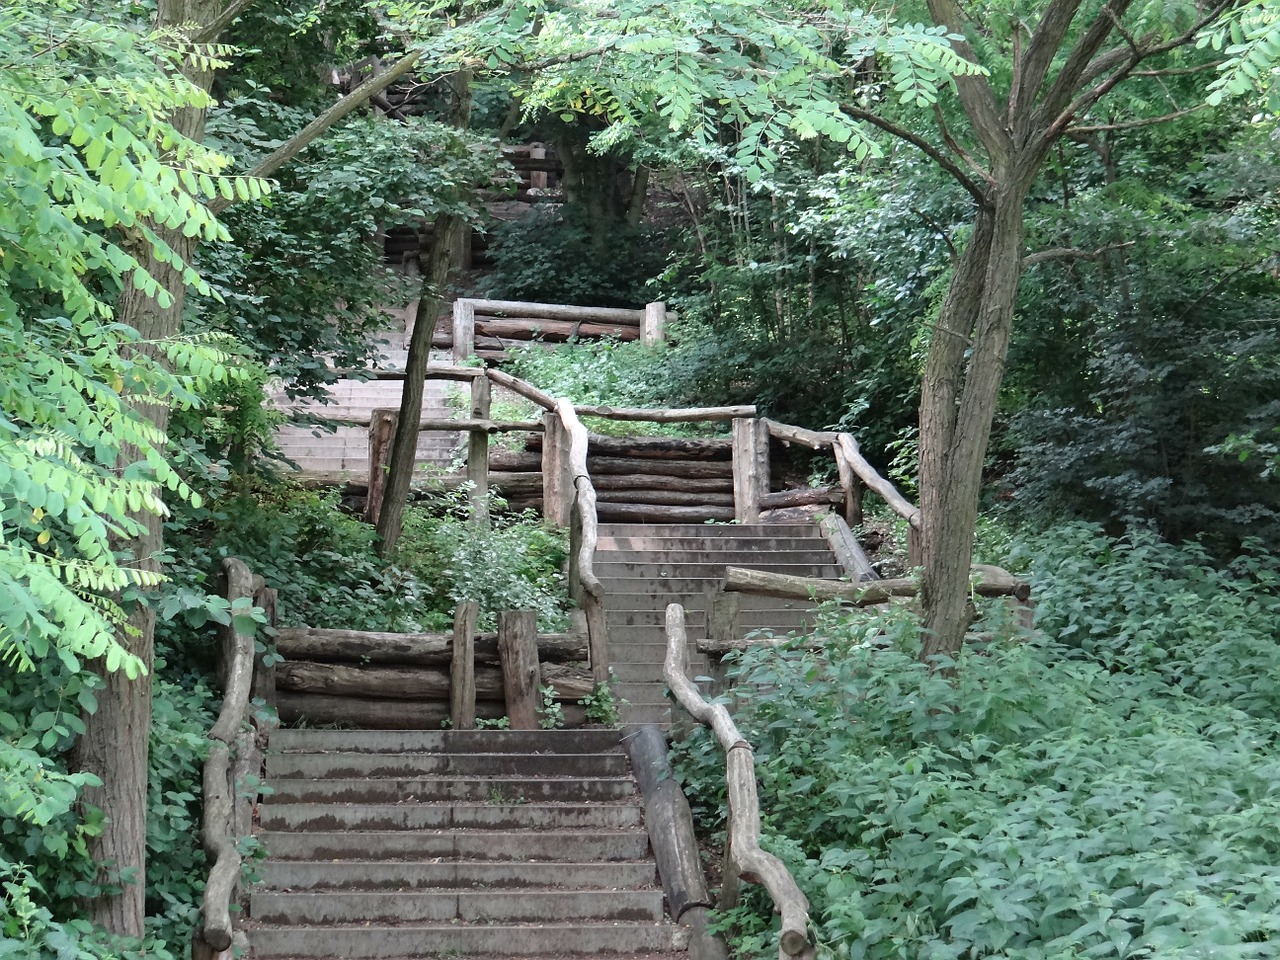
<point x="402" y="681"/>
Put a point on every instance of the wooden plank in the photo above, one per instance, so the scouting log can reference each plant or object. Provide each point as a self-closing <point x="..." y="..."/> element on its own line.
<point x="521" y="678"/>
<point x="674" y="498"/>
<point x="462" y="667"/>
<point x="551" y="331"/>
<point x="655" y="513"/>
<point x="633" y="466"/>
<point x="656" y="448"/>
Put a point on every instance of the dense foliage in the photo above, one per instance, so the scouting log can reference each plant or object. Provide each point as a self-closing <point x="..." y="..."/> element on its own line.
<point x="1103" y="788"/>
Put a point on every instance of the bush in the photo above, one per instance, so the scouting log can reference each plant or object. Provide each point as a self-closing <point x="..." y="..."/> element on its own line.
<point x="1107" y="799"/>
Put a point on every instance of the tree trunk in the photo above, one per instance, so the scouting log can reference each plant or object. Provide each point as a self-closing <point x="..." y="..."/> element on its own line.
<point x="435" y="272"/>
<point x="114" y="747"/>
<point x="961" y="384"/>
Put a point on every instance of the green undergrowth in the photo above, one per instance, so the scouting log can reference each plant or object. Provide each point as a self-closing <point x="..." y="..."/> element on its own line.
<point x="324" y="561"/>
<point x="612" y="373"/>
<point x="1105" y="787"/>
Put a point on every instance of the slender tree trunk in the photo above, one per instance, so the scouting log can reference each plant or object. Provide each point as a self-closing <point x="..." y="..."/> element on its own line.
<point x="435" y="273"/>
<point x="963" y="372"/>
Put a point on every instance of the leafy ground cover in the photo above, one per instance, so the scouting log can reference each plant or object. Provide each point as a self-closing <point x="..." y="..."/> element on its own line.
<point x="1105" y="787"/>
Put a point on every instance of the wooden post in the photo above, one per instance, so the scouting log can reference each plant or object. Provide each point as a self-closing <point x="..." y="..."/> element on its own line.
<point x="557" y="485"/>
<point x="914" y="557"/>
<point x="750" y="468"/>
<point x="851" y="486"/>
<point x="653" y="324"/>
<point x="382" y="428"/>
<point x="521" y="678"/>
<point x="462" y="673"/>
<point x="264" y="677"/>
<point x="464" y="329"/>
<point x="478" y="453"/>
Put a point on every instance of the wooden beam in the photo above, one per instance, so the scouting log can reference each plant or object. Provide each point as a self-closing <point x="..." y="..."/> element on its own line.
<point x="462" y="667"/>
<point x="464" y="329"/>
<point x="652" y="326"/>
<point x="676" y="415"/>
<point x="867" y="473"/>
<point x="987" y="581"/>
<point x="813" y="439"/>
<point x="553" y="311"/>
<point x="521" y="678"/>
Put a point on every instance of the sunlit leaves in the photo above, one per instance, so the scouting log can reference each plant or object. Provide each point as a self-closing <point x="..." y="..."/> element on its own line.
<point x="93" y="169"/>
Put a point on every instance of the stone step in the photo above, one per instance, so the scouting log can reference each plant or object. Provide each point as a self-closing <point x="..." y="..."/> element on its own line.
<point x="648" y="572"/>
<point x="744" y="557"/>
<point x="452" y="741"/>
<point x="439" y="816"/>
<point x="452" y="874"/>
<point x="488" y="906"/>
<point x="649" y="671"/>
<point x="643" y="544"/>
<point x="638" y="714"/>
<point x="357" y="764"/>
<point x="369" y="941"/>
<point x="419" y="789"/>
<point x="706" y="531"/>
<point x="556" y="845"/>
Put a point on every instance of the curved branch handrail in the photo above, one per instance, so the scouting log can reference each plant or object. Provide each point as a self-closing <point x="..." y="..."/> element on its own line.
<point x="744" y="804"/>
<point x="219" y="844"/>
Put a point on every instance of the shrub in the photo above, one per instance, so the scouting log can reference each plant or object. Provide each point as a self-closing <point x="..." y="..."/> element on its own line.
<point x="1107" y="799"/>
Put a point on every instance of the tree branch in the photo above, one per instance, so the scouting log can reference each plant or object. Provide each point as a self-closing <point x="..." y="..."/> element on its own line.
<point x="1070" y="253"/>
<point x="1086" y="100"/>
<point x="212" y="30"/>
<point x="1072" y="74"/>
<point x="1135" y="124"/>
<point x="955" y="147"/>
<point x="1032" y="68"/>
<point x="923" y="145"/>
<point x="976" y="95"/>
<point x="300" y="140"/>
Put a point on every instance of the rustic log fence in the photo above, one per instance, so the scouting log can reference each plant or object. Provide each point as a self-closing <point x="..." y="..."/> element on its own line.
<point x="233" y="765"/>
<point x="744" y="860"/>
<point x="489" y="328"/>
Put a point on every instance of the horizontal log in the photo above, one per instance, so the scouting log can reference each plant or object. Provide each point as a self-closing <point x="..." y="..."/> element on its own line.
<point x="556" y="311"/>
<point x="632" y="466"/>
<point x="718" y="648"/>
<point x="987" y="581"/>
<point x="652" y="513"/>
<point x="420" y="649"/>
<point x="806" y="514"/>
<point x="391" y="714"/>
<point x="607" y="482"/>
<point x="656" y="448"/>
<point x="551" y="331"/>
<point x="800" y="497"/>
<point x="668" y="497"/>
<point x="675" y="415"/>
<point x="412" y="683"/>
<point x="814" y="439"/>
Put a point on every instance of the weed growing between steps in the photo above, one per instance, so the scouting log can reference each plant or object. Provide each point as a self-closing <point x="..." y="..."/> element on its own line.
<point x="1107" y="787"/>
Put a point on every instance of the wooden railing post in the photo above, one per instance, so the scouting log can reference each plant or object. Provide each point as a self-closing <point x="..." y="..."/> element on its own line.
<point x="464" y="329"/>
<point x="851" y="486"/>
<point x="478" y="453"/>
<point x="382" y="428"/>
<point x="652" y="327"/>
<point x="750" y="467"/>
<point x="557" y="481"/>
<point x="521" y="676"/>
<point x="462" y="667"/>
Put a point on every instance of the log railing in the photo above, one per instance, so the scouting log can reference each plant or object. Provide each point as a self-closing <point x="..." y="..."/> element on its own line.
<point x="234" y="761"/>
<point x="487" y="328"/>
<point x="744" y="860"/>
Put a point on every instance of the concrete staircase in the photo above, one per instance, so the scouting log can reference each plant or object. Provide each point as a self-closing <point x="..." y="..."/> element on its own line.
<point x="346" y="450"/>
<point x="439" y="843"/>
<point x="644" y="567"/>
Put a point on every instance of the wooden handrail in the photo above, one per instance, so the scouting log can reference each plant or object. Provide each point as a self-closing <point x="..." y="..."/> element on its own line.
<point x="743" y="848"/>
<point x="666" y="415"/>
<point x="216" y="830"/>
